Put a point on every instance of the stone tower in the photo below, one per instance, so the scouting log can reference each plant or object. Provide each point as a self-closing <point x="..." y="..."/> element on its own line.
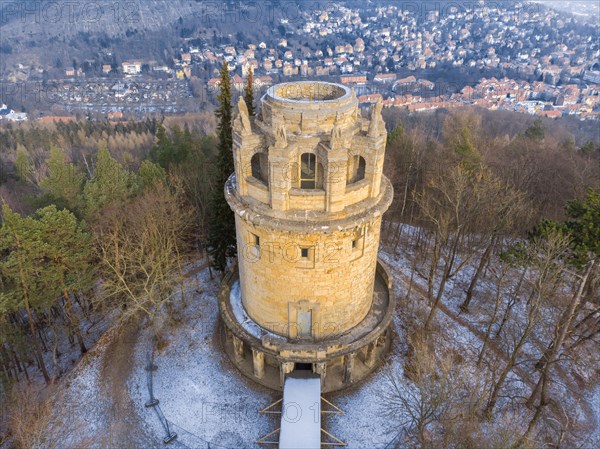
<point x="308" y="195"/>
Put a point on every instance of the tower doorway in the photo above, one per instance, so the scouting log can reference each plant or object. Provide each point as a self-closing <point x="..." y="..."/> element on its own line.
<point x="303" y="367"/>
<point x="304" y="323"/>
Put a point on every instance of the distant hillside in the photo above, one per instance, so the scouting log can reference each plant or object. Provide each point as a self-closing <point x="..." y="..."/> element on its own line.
<point x="50" y="32"/>
<point x="588" y="9"/>
<point x="57" y="33"/>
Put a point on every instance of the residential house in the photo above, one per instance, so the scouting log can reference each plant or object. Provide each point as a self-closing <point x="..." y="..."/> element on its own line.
<point x="386" y="78"/>
<point x="370" y="98"/>
<point x="238" y="82"/>
<point x="132" y="67"/>
<point x="354" y="79"/>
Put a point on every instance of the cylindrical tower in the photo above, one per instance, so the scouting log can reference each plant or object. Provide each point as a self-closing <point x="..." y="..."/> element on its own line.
<point x="308" y="195"/>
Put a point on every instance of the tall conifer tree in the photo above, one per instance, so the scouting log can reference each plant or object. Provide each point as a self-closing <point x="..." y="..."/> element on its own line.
<point x="249" y="92"/>
<point x="64" y="183"/>
<point x="221" y="232"/>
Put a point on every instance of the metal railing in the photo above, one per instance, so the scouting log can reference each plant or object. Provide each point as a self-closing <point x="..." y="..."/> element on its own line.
<point x="169" y="426"/>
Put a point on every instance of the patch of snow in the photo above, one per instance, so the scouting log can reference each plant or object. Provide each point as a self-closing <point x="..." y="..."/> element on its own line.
<point x="595" y="403"/>
<point x="235" y="298"/>
<point x="80" y="410"/>
<point x="301" y="416"/>
<point x="205" y="399"/>
<point x="366" y="421"/>
<point x="254" y="329"/>
<point x="201" y="393"/>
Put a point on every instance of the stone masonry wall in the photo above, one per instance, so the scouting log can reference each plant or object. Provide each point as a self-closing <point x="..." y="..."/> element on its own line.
<point x="336" y="279"/>
<point x="307" y="257"/>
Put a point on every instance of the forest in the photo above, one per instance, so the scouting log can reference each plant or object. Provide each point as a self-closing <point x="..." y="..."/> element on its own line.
<point x="501" y="233"/>
<point x="100" y="223"/>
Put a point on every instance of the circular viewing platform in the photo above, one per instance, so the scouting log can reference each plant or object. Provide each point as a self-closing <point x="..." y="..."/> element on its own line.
<point x="307" y="92"/>
<point x="313" y="106"/>
<point x="341" y="359"/>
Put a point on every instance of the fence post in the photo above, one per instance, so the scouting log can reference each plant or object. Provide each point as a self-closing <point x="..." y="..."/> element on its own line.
<point x="150" y="368"/>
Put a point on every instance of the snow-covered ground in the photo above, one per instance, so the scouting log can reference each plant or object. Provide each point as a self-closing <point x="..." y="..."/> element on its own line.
<point x="205" y="400"/>
<point x="200" y="392"/>
<point x="80" y="409"/>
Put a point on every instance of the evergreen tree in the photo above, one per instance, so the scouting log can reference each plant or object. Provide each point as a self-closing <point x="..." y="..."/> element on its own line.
<point x="64" y="181"/>
<point x="536" y="132"/>
<point x="162" y="148"/>
<point x="22" y="271"/>
<point x="221" y="232"/>
<point x="44" y="260"/>
<point x="249" y="92"/>
<point x="151" y="174"/>
<point x="68" y="268"/>
<point x="395" y="134"/>
<point x="582" y="227"/>
<point x="111" y="183"/>
<point x="173" y="149"/>
<point x="181" y="144"/>
<point x="589" y="148"/>
<point x="465" y="148"/>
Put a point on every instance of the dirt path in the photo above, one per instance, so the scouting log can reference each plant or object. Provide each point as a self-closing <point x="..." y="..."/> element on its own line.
<point x="589" y="416"/>
<point x="124" y="426"/>
<point x="124" y="429"/>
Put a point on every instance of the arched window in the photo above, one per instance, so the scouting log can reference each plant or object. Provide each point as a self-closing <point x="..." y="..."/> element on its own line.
<point x="311" y="172"/>
<point x="356" y="169"/>
<point x="259" y="165"/>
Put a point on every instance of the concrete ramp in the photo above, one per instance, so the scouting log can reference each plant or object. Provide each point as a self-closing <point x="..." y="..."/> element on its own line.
<point x="301" y="412"/>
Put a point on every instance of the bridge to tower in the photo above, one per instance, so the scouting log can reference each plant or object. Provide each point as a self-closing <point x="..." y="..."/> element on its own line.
<point x="301" y="409"/>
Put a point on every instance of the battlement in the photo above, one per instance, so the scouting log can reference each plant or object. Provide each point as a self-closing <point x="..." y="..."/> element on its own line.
<point x="310" y="149"/>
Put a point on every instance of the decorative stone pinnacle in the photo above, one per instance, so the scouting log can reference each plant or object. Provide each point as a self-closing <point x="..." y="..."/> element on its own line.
<point x="376" y="120"/>
<point x="244" y="117"/>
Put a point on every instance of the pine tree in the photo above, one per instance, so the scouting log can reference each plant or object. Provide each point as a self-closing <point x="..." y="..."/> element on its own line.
<point x="68" y="261"/>
<point x="163" y="148"/>
<point x="110" y="184"/>
<point x="64" y="181"/>
<point x="221" y="232"/>
<point x="249" y="92"/>
<point x="465" y="148"/>
<point x="582" y="226"/>
<point x="22" y="269"/>
<point x="174" y="149"/>
<point x="151" y="174"/>
<point x="536" y="132"/>
<point x="23" y="167"/>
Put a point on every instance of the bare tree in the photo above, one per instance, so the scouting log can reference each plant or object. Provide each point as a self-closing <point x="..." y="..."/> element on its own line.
<point x="140" y="249"/>
<point x="35" y="422"/>
<point x="544" y="256"/>
<point x="452" y="204"/>
<point x="422" y="403"/>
